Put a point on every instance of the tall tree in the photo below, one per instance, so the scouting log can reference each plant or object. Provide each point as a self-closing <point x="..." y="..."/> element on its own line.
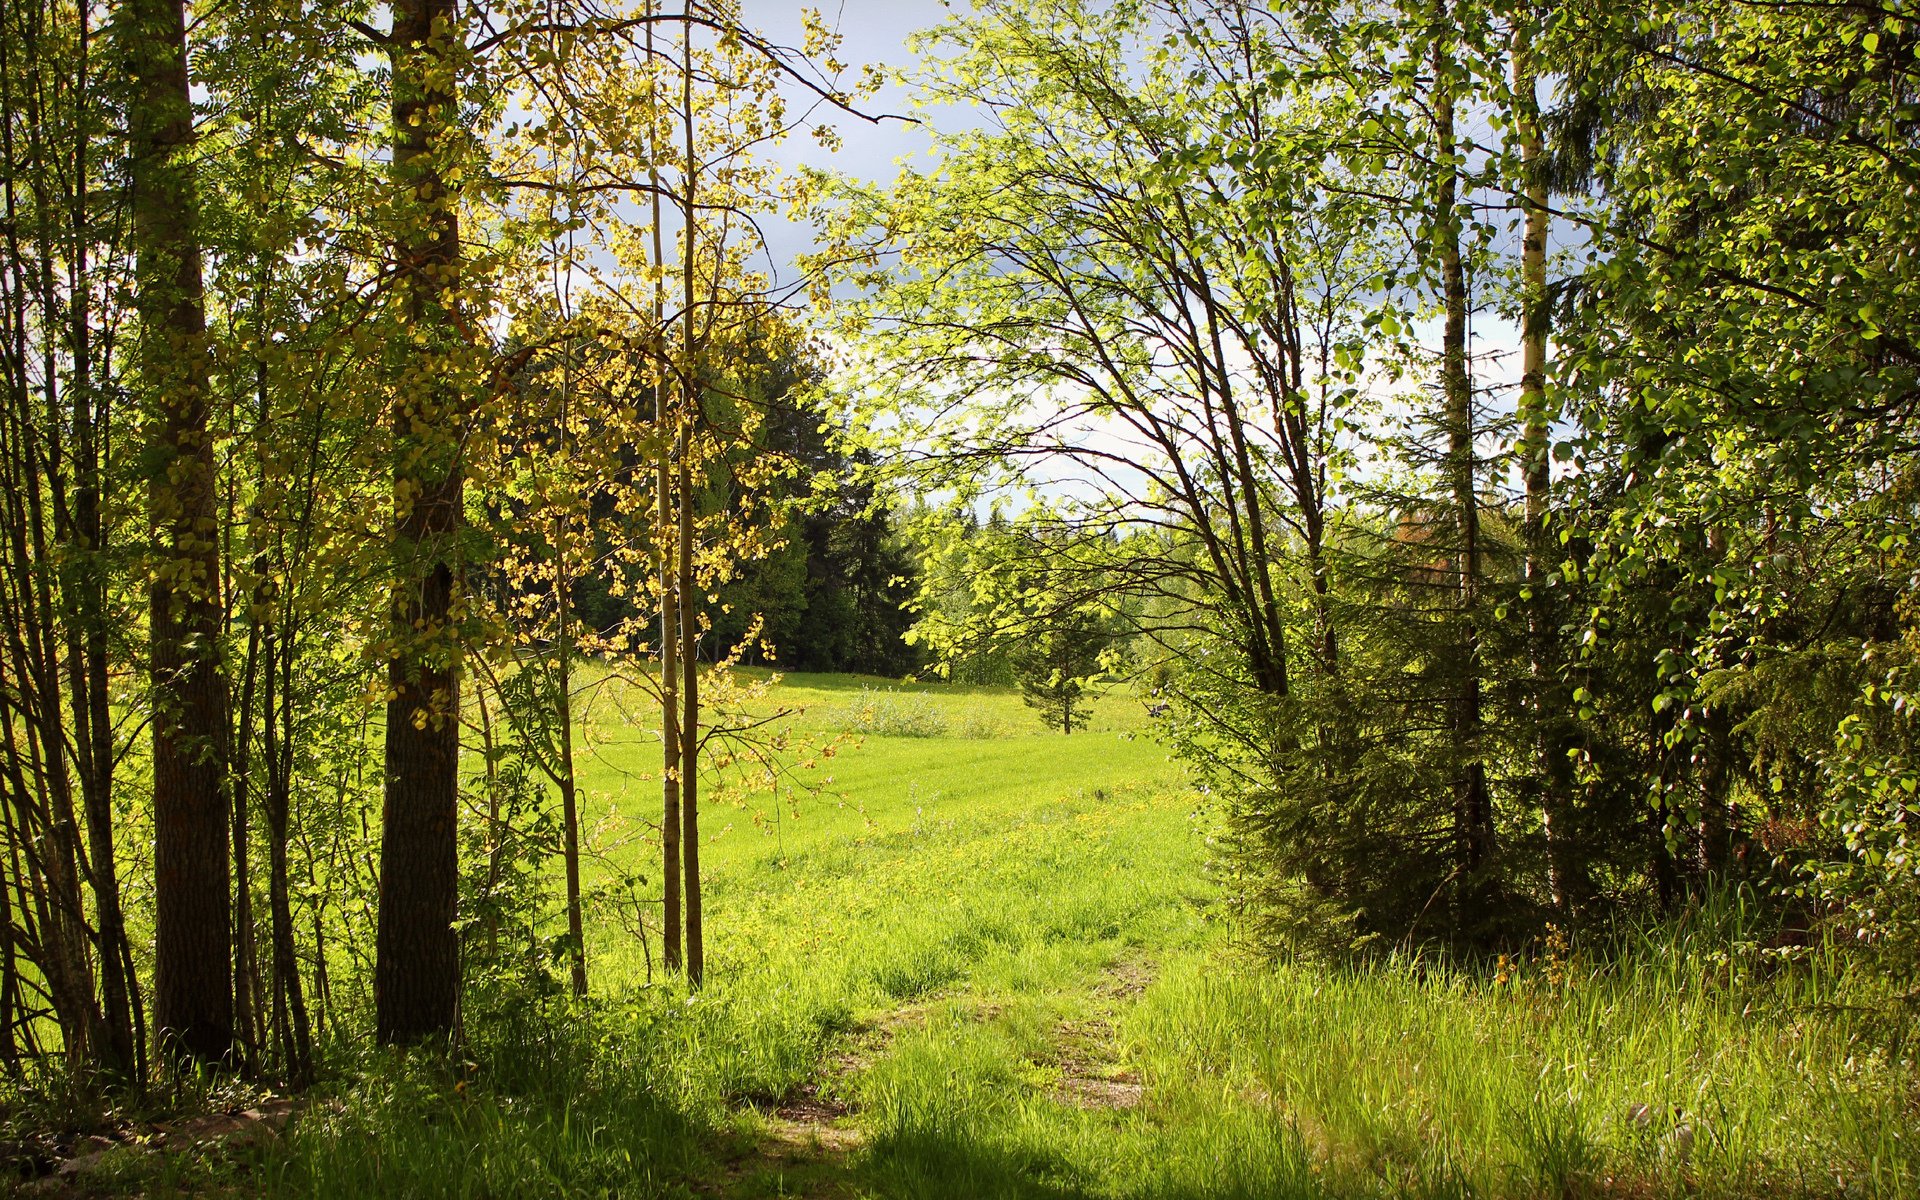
<point x="1473" y="813"/>
<point x="193" y="993"/>
<point x="1536" y="463"/>
<point x="689" y="370"/>
<point x="666" y="540"/>
<point x="417" y="965"/>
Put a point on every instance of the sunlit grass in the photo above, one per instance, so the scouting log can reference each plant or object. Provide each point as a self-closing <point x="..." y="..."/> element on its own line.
<point x="1002" y="957"/>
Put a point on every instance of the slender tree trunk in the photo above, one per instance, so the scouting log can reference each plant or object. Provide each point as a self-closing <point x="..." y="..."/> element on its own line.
<point x="417" y="951"/>
<point x="9" y="985"/>
<point x="245" y="1012"/>
<point x="666" y="535"/>
<point x="193" y="936"/>
<point x="689" y="614"/>
<point x="1537" y="477"/>
<point x="690" y="718"/>
<point x="290" y="1010"/>
<point x="569" y="791"/>
<point x="1472" y="818"/>
<point x="570" y="817"/>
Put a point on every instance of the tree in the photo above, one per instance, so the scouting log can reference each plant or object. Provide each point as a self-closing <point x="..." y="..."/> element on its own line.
<point x="417" y="983"/>
<point x="193" y="993"/>
<point x="1054" y="664"/>
<point x="1130" y="284"/>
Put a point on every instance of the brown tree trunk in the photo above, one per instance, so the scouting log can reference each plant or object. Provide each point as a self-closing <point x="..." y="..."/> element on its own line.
<point x="417" y="951"/>
<point x="569" y="781"/>
<point x="665" y="533"/>
<point x="690" y="714"/>
<point x="1473" y="828"/>
<point x="245" y="953"/>
<point x="290" y="1010"/>
<point x="689" y="610"/>
<point x="193" y="937"/>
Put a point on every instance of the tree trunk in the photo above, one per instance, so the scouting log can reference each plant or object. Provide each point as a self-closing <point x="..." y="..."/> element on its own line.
<point x="690" y="714"/>
<point x="569" y="783"/>
<point x="193" y="937"/>
<point x="417" y="951"/>
<point x="689" y="611"/>
<point x="245" y="955"/>
<point x="1536" y="470"/>
<point x="665" y="536"/>
<point x="1472" y="818"/>
<point x="290" y="1010"/>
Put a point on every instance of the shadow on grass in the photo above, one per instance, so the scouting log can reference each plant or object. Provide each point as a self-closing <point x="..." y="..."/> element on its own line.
<point x="937" y="1165"/>
<point x="952" y="1164"/>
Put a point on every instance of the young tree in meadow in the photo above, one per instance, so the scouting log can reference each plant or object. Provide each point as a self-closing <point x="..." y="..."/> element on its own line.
<point x="1055" y="663"/>
<point x="729" y="101"/>
<point x="661" y="499"/>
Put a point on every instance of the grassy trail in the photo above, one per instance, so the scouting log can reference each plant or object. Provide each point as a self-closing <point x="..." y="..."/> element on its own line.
<point x="1041" y="1002"/>
<point x="815" y="1143"/>
<point x="985" y="961"/>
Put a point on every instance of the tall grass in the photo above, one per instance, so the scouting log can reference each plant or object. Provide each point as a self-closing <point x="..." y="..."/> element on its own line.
<point x="1015" y="977"/>
<point x="890" y="712"/>
<point x="1660" y="1065"/>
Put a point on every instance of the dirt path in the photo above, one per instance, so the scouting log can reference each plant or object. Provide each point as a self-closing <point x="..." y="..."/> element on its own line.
<point x="812" y="1143"/>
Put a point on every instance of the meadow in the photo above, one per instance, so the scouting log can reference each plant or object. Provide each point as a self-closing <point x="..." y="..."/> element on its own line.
<point x="986" y="960"/>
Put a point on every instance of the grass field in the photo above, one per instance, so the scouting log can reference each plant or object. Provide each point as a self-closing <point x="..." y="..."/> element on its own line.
<point x="985" y="961"/>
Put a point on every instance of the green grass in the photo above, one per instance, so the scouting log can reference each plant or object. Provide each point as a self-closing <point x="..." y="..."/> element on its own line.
<point x="985" y="961"/>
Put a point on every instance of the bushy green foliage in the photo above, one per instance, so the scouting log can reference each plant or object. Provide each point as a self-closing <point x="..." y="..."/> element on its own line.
<point x="1741" y="351"/>
<point x="1432" y="707"/>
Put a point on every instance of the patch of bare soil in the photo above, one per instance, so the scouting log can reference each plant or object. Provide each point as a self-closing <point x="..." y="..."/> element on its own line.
<point x="1125" y="980"/>
<point x="1091" y="1075"/>
<point x="809" y="1121"/>
<point x="76" y="1167"/>
<point x="1122" y="1090"/>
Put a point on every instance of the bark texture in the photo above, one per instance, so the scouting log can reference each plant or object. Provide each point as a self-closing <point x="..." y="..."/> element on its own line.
<point x="193" y="993"/>
<point x="417" y="951"/>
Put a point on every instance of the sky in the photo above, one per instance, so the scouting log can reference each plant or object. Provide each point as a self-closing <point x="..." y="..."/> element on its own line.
<point x="874" y="31"/>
